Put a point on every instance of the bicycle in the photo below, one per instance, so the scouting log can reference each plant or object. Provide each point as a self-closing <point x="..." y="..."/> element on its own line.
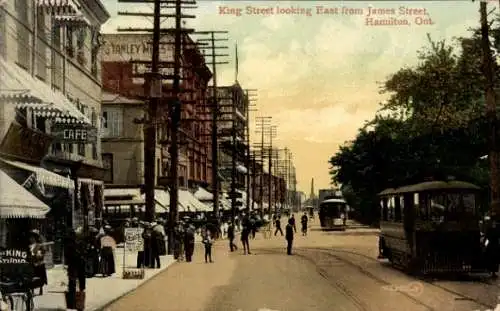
<point x="17" y="296"/>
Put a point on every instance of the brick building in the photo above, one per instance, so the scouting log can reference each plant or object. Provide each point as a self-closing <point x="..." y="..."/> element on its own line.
<point x="119" y="78"/>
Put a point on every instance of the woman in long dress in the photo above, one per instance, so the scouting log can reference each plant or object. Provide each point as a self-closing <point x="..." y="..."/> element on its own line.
<point x="108" y="244"/>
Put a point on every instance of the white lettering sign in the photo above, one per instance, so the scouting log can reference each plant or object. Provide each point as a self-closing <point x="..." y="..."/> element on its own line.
<point x="130" y="47"/>
<point x="133" y="239"/>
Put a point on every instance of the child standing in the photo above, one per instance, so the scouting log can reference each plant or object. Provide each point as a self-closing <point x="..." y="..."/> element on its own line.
<point x="208" y="246"/>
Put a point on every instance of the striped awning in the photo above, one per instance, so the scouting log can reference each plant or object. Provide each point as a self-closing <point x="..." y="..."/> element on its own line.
<point x="19" y="87"/>
<point x="42" y="175"/>
<point x="17" y="202"/>
<point x="72" y="19"/>
<point x="59" y="7"/>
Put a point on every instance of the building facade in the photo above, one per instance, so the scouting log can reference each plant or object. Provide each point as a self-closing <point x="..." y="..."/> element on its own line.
<point x="233" y="105"/>
<point x="120" y="77"/>
<point x="50" y="94"/>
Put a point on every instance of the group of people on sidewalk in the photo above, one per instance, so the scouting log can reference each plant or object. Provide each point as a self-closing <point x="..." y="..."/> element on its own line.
<point x="86" y="255"/>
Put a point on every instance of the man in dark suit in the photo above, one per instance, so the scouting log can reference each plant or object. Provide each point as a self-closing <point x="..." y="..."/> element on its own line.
<point x="289" y="236"/>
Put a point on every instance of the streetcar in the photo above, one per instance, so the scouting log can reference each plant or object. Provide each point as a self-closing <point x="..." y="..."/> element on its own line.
<point x="332" y="214"/>
<point x="431" y="227"/>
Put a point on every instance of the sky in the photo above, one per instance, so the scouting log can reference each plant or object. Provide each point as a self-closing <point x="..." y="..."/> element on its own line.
<point x="317" y="76"/>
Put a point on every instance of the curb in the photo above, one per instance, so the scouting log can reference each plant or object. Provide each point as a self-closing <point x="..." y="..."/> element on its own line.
<point x="107" y="304"/>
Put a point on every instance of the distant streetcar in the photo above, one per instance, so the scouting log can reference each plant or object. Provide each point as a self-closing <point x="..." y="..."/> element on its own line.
<point x="333" y="213"/>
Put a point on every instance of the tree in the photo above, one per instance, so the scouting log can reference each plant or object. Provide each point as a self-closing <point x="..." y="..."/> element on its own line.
<point x="436" y="128"/>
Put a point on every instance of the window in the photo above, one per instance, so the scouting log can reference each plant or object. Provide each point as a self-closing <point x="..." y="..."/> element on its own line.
<point x="80" y="45"/>
<point x="23" y="33"/>
<point x="41" y="47"/>
<point x="81" y="149"/>
<point x="94" y="52"/>
<point x="398" y="206"/>
<point x="3" y="34"/>
<point x="94" y="151"/>
<point x="56" y="57"/>
<point x="70" y="49"/>
<point x="112" y="122"/>
<point x="383" y="209"/>
<point x="107" y="163"/>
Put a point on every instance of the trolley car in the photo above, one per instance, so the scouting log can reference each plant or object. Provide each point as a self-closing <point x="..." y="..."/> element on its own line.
<point x="332" y="214"/>
<point x="431" y="227"/>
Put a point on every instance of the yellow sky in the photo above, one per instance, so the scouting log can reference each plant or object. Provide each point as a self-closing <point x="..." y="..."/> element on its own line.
<point x="318" y="76"/>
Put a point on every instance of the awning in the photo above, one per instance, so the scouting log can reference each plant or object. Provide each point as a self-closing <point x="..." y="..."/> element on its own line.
<point x="18" y="86"/>
<point x="72" y="19"/>
<point x="44" y="176"/>
<point x="203" y="195"/>
<point x="121" y="192"/>
<point x="17" y="202"/>
<point x="240" y="168"/>
<point x="162" y="199"/>
<point x="191" y="203"/>
<point x="58" y="7"/>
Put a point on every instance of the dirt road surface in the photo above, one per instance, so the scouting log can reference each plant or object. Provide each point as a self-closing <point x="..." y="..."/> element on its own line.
<point x="328" y="271"/>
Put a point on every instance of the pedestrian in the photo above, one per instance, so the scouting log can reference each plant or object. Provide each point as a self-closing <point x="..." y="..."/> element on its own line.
<point x="207" y="241"/>
<point x="108" y="244"/>
<point x="245" y="233"/>
<point x="304" y="221"/>
<point x="289" y="236"/>
<point x="75" y="255"/>
<point x="230" y="236"/>
<point x="492" y="252"/>
<point x="189" y="242"/>
<point x="156" y="240"/>
<point x="37" y="251"/>
<point x="253" y="226"/>
<point x="292" y="219"/>
<point x="277" y="224"/>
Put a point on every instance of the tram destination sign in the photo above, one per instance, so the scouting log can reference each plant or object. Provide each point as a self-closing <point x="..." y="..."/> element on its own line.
<point x="74" y="133"/>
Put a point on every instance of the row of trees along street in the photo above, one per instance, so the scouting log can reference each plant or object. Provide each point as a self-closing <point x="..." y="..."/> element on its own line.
<point x="433" y="125"/>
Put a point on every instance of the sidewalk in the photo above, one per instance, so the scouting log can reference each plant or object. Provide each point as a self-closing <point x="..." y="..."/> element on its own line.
<point x="100" y="291"/>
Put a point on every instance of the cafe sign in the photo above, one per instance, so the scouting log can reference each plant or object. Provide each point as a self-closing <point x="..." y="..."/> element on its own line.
<point x="74" y="133"/>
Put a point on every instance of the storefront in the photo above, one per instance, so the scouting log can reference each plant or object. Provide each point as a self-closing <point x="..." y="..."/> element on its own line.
<point x="18" y="209"/>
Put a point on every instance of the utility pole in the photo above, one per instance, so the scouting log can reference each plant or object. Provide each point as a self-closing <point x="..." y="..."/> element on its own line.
<point x="215" y="111"/>
<point x="153" y="92"/>
<point x="272" y="134"/>
<point x="250" y="98"/>
<point x="490" y="95"/>
<point x="262" y="125"/>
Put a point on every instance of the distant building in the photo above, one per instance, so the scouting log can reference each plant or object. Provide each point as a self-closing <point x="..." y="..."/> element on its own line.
<point x="119" y="78"/>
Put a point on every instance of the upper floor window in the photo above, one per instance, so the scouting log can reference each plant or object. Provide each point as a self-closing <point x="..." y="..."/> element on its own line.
<point x="94" y="51"/>
<point x="80" y="45"/>
<point x="112" y="122"/>
<point x="70" y="48"/>
<point x="107" y="163"/>
<point x="23" y="33"/>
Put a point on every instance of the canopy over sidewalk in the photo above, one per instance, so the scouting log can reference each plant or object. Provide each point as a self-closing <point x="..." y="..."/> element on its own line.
<point x="17" y="202"/>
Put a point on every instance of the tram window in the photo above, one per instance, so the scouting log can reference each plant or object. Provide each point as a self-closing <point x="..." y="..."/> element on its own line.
<point x="397" y="209"/>
<point x="383" y="209"/>
<point x="390" y="209"/>
<point x="402" y="205"/>
<point x="469" y="203"/>
<point x="423" y="206"/>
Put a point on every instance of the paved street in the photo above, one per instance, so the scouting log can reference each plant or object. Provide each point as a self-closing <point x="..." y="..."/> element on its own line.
<point x="329" y="271"/>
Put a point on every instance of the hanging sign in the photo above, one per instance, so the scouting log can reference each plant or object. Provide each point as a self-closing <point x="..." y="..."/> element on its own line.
<point x="74" y="133"/>
<point x="26" y="143"/>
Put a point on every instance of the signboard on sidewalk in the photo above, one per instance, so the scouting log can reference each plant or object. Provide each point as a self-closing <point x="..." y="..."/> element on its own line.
<point x="133" y="240"/>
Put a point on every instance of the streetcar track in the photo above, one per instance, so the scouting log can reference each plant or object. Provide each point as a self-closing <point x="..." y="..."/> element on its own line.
<point x="324" y="274"/>
<point x="371" y="275"/>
